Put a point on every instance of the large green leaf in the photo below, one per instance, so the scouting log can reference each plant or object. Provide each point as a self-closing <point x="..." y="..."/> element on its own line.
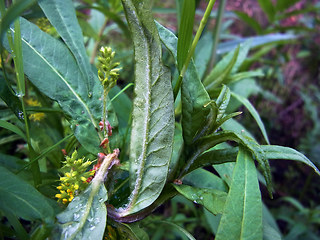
<point x="212" y="199"/>
<point x="22" y="199"/>
<point x="153" y="110"/>
<point x="242" y="216"/>
<point x="62" y="16"/>
<point x="193" y="95"/>
<point x="52" y="69"/>
<point x="279" y="152"/>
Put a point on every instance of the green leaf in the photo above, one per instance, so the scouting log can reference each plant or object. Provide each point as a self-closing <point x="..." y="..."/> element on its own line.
<point x="185" y="31"/>
<point x="12" y="128"/>
<point x="62" y="16"/>
<point x="180" y="229"/>
<point x="279" y="152"/>
<point x="269" y="233"/>
<point x="10" y="99"/>
<point x="22" y="199"/>
<point x="124" y="106"/>
<point x="194" y="99"/>
<point x="254" y="114"/>
<point x="213" y="200"/>
<point x="193" y="95"/>
<point x="131" y="231"/>
<point x="245" y="75"/>
<point x="221" y="71"/>
<point x="203" y="53"/>
<point x="268" y="8"/>
<point x="283" y="5"/>
<point x="176" y="152"/>
<point x="215" y="156"/>
<point x="242" y="216"/>
<point x="153" y="110"/>
<point x="219" y="137"/>
<point x="204" y="179"/>
<point x="85" y="217"/>
<point x="249" y="20"/>
<point x="53" y="70"/>
<point x="222" y="102"/>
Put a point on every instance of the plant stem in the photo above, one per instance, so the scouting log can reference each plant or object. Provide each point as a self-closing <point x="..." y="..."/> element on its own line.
<point x="16" y="47"/>
<point x="193" y="46"/>
<point x="216" y="32"/>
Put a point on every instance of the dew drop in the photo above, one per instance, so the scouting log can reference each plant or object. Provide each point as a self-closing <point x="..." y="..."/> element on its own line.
<point x="90" y="94"/>
<point x="20" y="115"/>
<point x="92" y="227"/>
<point x="82" y="112"/>
<point x="100" y="200"/>
<point x="19" y="95"/>
<point x="76" y="216"/>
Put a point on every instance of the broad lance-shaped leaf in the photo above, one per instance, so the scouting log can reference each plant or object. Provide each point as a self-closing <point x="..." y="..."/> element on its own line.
<point x="21" y="199"/>
<point x="194" y="97"/>
<point x="62" y="16"/>
<point x="153" y="110"/>
<point x="213" y="200"/>
<point x="52" y="69"/>
<point x="242" y="215"/>
<point x="279" y="152"/>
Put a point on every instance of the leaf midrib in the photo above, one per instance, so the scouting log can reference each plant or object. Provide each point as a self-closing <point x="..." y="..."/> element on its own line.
<point x="244" y="195"/>
<point x="65" y="81"/>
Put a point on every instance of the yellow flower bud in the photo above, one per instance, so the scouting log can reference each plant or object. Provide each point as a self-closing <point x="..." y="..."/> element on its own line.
<point x="58" y="196"/>
<point x="83" y="179"/>
<point x="64" y="200"/>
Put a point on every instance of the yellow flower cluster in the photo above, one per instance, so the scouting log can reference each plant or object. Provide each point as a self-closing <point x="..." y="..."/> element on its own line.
<point x="108" y="72"/>
<point x="74" y="179"/>
<point x="35" y="116"/>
